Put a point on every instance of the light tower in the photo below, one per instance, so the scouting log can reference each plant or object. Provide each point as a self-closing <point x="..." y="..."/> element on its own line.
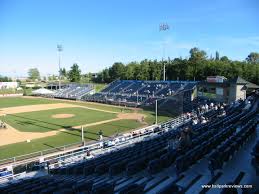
<point x="163" y="27"/>
<point x="60" y="49"/>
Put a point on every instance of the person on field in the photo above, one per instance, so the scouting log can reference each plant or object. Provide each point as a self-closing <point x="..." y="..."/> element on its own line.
<point x="100" y="135"/>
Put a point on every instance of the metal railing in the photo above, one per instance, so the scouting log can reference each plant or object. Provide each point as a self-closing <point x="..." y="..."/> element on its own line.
<point x="38" y="153"/>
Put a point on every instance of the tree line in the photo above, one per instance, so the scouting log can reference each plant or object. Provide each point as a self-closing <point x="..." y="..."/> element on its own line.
<point x="196" y="67"/>
<point x="5" y="79"/>
<point x="73" y="75"/>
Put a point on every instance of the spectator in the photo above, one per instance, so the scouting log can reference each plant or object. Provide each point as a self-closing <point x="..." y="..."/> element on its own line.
<point x="203" y="120"/>
<point x="202" y="109"/>
<point x="185" y="138"/>
<point x="190" y="132"/>
<point x="195" y="121"/>
<point x="211" y="105"/>
<point x="206" y="107"/>
<point x="188" y="115"/>
<point x="182" y="141"/>
<point x="198" y="110"/>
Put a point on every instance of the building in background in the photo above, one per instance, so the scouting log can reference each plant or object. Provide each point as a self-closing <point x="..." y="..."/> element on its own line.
<point x="221" y="89"/>
<point x="8" y="85"/>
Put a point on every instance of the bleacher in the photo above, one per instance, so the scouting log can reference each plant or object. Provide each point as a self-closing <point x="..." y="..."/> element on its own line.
<point x="136" y="93"/>
<point x="73" y="91"/>
<point x="220" y="153"/>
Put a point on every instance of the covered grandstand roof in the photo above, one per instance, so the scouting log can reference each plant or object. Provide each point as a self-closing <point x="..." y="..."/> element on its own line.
<point x="240" y="81"/>
<point x="42" y="91"/>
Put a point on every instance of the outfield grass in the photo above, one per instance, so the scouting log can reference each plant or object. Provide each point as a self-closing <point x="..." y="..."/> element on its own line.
<point x="151" y="117"/>
<point x="19" y="101"/>
<point x="67" y="137"/>
<point x="112" y="108"/>
<point x="6" y="102"/>
<point x="42" y="121"/>
<point x="99" y="87"/>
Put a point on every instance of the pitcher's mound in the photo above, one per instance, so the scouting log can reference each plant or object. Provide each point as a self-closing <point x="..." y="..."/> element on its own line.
<point x="62" y="116"/>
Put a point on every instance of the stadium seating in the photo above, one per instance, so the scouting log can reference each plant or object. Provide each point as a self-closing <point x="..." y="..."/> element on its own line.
<point x="255" y="157"/>
<point x="150" y="166"/>
<point x="73" y="91"/>
<point x="135" y="93"/>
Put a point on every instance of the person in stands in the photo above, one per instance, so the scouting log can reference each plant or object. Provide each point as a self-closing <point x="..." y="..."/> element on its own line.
<point x="195" y="121"/>
<point x="185" y="139"/>
<point x="188" y="130"/>
<point x="206" y="107"/>
<point x="182" y="141"/>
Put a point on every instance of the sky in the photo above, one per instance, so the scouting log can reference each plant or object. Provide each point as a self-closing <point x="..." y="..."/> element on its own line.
<point x="97" y="33"/>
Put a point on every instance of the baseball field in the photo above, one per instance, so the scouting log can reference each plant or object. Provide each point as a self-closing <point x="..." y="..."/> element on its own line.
<point x="35" y="124"/>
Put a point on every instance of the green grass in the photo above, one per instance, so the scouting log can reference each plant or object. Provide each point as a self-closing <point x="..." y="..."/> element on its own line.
<point x="209" y="95"/>
<point x="6" y="102"/>
<point x="99" y="87"/>
<point x="103" y="107"/>
<point x="151" y="117"/>
<point x="42" y="121"/>
<point x="19" y="101"/>
<point x="111" y="128"/>
<point x="67" y="137"/>
<point x="10" y="91"/>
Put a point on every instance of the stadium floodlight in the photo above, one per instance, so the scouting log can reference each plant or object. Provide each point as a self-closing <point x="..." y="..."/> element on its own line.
<point x="82" y="135"/>
<point x="156" y="112"/>
<point x="60" y="49"/>
<point x="163" y="27"/>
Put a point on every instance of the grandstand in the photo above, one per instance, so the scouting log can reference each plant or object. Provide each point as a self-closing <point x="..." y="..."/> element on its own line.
<point x="72" y="91"/>
<point x="151" y="160"/>
<point x="144" y="94"/>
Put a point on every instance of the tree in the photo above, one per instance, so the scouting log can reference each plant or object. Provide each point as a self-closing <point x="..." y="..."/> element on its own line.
<point x="253" y="57"/>
<point x="217" y="56"/>
<point x="106" y="76"/>
<point x="197" y="65"/>
<point x="52" y="77"/>
<point x="74" y="74"/>
<point x="4" y="79"/>
<point x="197" y="54"/>
<point x="225" y="59"/>
<point x="197" y="57"/>
<point x="117" y="71"/>
<point x="34" y="74"/>
<point x="63" y="72"/>
<point x="129" y="70"/>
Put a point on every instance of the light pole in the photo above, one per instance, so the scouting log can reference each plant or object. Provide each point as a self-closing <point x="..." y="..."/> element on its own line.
<point x="156" y="112"/>
<point x="163" y="27"/>
<point x="82" y="135"/>
<point x="60" y="49"/>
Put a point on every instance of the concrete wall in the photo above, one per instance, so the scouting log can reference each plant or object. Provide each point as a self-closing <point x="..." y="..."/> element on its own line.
<point x="240" y="93"/>
<point x="236" y="92"/>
